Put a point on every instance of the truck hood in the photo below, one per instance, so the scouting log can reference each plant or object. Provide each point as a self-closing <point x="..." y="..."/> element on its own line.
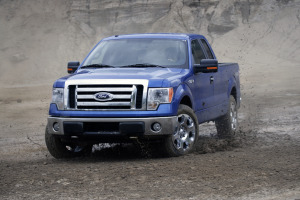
<point x="158" y="77"/>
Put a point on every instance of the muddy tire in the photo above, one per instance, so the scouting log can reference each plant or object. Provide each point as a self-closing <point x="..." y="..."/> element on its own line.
<point x="184" y="139"/>
<point x="228" y="123"/>
<point x="59" y="149"/>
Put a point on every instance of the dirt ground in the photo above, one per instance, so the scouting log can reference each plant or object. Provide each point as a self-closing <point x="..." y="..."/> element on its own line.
<point x="262" y="162"/>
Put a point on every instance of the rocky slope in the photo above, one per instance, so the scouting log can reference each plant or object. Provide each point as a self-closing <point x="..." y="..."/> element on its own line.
<point x="39" y="37"/>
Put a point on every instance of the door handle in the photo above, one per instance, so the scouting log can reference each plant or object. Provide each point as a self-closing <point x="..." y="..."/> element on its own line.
<point x="211" y="79"/>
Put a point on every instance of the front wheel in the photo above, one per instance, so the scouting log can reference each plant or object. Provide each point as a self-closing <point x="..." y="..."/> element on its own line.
<point x="59" y="149"/>
<point x="185" y="136"/>
<point x="227" y="124"/>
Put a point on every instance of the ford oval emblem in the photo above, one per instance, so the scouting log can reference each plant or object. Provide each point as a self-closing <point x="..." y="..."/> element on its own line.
<point x="103" y="96"/>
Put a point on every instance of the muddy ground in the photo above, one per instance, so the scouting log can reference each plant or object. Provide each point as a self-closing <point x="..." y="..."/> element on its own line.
<point x="262" y="162"/>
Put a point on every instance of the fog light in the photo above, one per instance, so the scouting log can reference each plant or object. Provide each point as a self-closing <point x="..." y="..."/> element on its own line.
<point x="56" y="126"/>
<point x="156" y="127"/>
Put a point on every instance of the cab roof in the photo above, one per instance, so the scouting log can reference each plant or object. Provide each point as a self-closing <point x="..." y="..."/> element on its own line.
<point x="156" y="35"/>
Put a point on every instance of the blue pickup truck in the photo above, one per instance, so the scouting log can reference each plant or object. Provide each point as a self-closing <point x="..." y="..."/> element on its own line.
<point x="145" y="87"/>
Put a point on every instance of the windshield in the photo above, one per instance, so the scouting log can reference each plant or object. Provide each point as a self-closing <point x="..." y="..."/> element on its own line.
<point x="145" y="52"/>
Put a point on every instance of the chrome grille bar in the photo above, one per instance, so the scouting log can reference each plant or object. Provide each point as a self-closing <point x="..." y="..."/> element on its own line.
<point x="105" y="89"/>
<point x="103" y="103"/>
<point x="92" y="96"/>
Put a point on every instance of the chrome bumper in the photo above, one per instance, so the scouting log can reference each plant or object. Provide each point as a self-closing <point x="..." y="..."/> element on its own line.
<point x="168" y="124"/>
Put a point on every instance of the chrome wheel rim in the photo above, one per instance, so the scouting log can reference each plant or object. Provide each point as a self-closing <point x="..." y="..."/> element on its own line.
<point x="185" y="133"/>
<point x="233" y="116"/>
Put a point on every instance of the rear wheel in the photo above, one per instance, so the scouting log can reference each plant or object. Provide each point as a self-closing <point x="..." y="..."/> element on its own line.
<point x="185" y="136"/>
<point x="59" y="149"/>
<point x="227" y="124"/>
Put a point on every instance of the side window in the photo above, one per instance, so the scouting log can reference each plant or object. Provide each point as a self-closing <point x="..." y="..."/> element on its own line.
<point x="197" y="52"/>
<point x="208" y="51"/>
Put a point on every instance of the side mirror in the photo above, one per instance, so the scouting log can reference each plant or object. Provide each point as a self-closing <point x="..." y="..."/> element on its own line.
<point x="72" y="67"/>
<point x="206" y="66"/>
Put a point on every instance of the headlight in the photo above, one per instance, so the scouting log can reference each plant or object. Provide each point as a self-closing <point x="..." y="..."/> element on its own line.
<point x="58" y="97"/>
<point x="157" y="96"/>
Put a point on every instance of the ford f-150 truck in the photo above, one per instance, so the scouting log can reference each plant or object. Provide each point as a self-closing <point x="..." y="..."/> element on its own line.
<point x="145" y="87"/>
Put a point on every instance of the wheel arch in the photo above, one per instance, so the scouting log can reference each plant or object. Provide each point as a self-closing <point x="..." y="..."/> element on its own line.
<point x="234" y="93"/>
<point x="234" y="90"/>
<point x="183" y="95"/>
<point x="186" y="101"/>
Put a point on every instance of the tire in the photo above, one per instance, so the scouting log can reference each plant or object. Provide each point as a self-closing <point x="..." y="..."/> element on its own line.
<point x="185" y="137"/>
<point x="228" y="123"/>
<point x="59" y="149"/>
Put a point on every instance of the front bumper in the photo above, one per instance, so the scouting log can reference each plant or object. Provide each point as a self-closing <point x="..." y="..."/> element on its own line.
<point x="111" y="126"/>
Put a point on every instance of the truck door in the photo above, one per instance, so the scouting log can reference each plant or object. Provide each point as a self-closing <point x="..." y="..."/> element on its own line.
<point x="220" y="80"/>
<point x="203" y="87"/>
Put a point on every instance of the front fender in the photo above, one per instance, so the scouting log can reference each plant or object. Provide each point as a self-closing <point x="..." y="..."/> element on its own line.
<point x="182" y="91"/>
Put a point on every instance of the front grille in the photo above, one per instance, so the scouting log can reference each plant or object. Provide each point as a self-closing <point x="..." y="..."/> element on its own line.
<point x="124" y="97"/>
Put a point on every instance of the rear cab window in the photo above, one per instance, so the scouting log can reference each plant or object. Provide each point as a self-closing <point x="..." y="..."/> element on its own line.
<point x="207" y="49"/>
<point x="197" y="52"/>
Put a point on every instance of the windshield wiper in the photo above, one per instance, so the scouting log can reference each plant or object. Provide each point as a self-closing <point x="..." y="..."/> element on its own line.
<point x="96" y="66"/>
<point x="143" y="65"/>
